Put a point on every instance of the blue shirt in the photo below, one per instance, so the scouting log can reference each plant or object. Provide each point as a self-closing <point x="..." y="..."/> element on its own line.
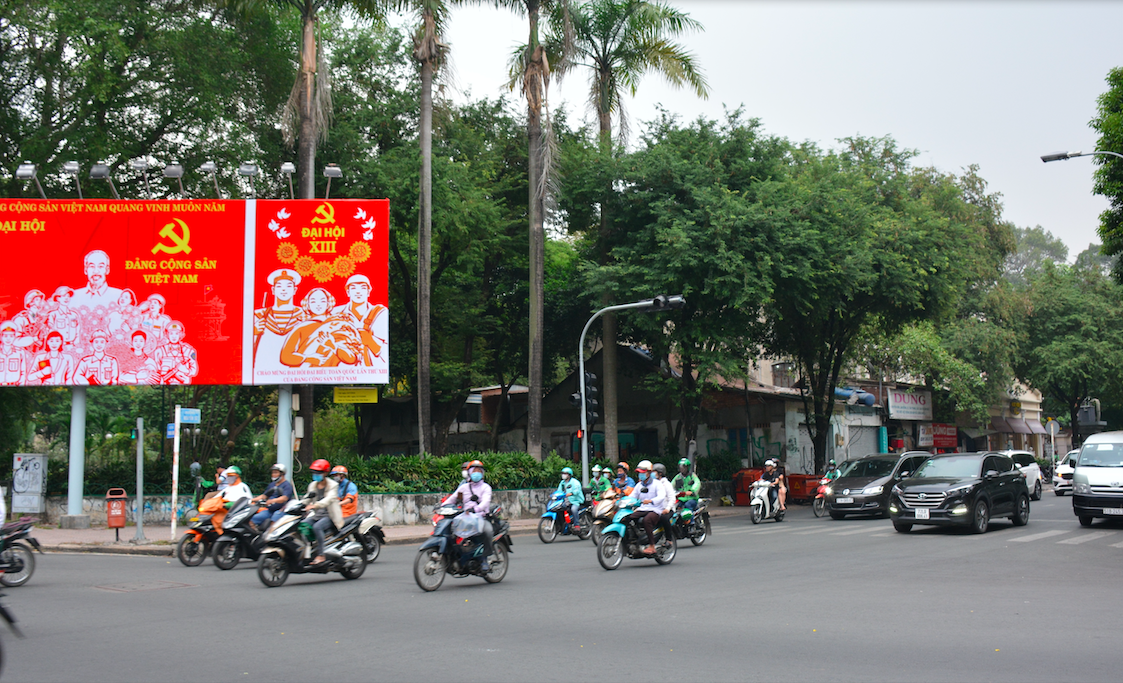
<point x="278" y="489"/>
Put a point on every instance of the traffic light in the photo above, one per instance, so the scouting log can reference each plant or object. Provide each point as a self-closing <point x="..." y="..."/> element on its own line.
<point x="591" y="402"/>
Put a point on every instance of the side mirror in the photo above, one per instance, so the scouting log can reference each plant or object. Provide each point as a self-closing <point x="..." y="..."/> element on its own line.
<point x="991" y="474"/>
<point x="904" y="474"/>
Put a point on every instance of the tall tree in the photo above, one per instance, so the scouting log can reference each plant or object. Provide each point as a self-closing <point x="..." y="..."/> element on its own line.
<point x="617" y="42"/>
<point x="1035" y="246"/>
<point x="1109" y="176"/>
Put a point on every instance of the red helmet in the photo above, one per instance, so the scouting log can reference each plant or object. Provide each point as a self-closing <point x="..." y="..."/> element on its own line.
<point x="339" y="469"/>
<point x="320" y="465"/>
<point x="475" y="463"/>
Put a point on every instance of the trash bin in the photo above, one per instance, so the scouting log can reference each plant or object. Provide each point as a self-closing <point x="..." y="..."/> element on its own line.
<point x="116" y="501"/>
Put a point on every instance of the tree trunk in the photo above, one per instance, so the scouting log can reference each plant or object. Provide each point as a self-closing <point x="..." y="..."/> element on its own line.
<point x="608" y="326"/>
<point x="306" y="140"/>
<point x="424" y="261"/>
<point x="537" y="71"/>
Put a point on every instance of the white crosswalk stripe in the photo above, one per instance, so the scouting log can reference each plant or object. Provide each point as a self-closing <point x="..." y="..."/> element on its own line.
<point x="812" y="531"/>
<point x="1038" y="537"/>
<point x="857" y="531"/>
<point x="1084" y="538"/>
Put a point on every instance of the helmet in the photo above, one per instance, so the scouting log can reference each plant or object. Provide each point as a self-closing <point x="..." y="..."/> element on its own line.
<point x="596" y="469"/>
<point x="320" y="465"/>
<point x="660" y="468"/>
<point x="770" y="463"/>
<point x="684" y="462"/>
<point x="475" y="463"/>
<point x="279" y="467"/>
<point x="339" y="469"/>
<point x="234" y="469"/>
<point x="832" y="462"/>
<point x="644" y="465"/>
<point x="567" y="470"/>
<point x="622" y="464"/>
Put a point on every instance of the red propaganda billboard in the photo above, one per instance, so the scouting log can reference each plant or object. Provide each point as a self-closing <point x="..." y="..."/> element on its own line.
<point x="163" y="292"/>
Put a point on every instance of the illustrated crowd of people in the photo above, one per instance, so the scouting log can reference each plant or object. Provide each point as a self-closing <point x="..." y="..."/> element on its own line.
<point x="95" y="335"/>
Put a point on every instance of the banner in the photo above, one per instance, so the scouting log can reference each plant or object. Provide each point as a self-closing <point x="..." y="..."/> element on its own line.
<point x="103" y="292"/>
<point x="910" y="405"/>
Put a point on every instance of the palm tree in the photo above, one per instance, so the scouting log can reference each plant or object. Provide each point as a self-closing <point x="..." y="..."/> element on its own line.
<point x="618" y="41"/>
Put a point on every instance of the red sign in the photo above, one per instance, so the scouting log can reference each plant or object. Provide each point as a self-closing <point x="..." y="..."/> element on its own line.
<point x="944" y="435"/>
<point x="163" y="292"/>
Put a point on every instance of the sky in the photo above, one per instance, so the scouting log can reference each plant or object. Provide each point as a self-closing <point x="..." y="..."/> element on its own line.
<point x="995" y="84"/>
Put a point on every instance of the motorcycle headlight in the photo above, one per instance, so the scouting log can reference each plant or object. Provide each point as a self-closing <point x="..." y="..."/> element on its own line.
<point x="1082" y="488"/>
<point x="873" y="490"/>
<point x="829" y="490"/>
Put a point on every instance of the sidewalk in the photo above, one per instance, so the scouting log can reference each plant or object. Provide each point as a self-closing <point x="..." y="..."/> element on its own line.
<point x="158" y="539"/>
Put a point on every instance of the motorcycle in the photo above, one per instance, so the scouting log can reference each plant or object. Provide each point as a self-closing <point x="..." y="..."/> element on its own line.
<point x="454" y="548"/>
<point x="602" y="513"/>
<point x="238" y="540"/>
<point x="195" y="544"/>
<point x="693" y="524"/>
<point x="762" y="505"/>
<point x="626" y="537"/>
<point x="557" y="520"/>
<point x="11" y="621"/>
<point x="373" y="537"/>
<point x="289" y="543"/>
<point x="17" y="562"/>
<point x="819" y="505"/>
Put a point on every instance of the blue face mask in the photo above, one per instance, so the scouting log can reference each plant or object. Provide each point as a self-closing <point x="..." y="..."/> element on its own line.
<point x="317" y="477"/>
<point x="476" y="476"/>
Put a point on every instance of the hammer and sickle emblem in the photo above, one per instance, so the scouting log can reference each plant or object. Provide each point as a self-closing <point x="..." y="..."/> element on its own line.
<point x="180" y="240"/>
<point x="326" y="213"/>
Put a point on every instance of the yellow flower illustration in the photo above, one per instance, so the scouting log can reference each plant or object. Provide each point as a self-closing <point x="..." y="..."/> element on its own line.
<point x="360" y="251"/>
<point x="322" y="271"/>
<point x="287" y="252"/>
<point x="344" y="266"/>
<point x="304" y="265"/>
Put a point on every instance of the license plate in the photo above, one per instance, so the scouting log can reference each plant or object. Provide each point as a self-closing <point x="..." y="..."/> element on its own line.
<point x="1113" y="511"/>
<point x="922" y="513"/>
<point x="843" y="501"/>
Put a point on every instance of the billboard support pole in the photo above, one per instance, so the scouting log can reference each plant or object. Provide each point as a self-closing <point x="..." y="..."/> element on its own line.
<point x="74" y="519"/>
<point x="175" y="469"/>
<point x="284" y="428"/>
<point x="139" y="481"/>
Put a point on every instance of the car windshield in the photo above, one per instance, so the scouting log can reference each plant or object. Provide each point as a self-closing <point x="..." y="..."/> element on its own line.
<point x="1101" y="455"/>
<point x="963" y="466"/>
<point x="878" y="467"/>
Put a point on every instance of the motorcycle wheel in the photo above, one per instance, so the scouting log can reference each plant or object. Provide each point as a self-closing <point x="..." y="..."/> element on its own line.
<point x="597" y="533"/>
<point x="374" y="546"/>
<point x="191" y="552"/>
<point x="699" y="531"/>
<point x="429" y="572"/>
<point x="610" y="552"/>
<point x="756" y="514"/>
<point x="18" y="556"/>
<point x="586" y="527"/>
<point x="498" y="562"/>
<point x="819" y="507"/>
<point x="547" y="530"/>
<point x="272" y="569"/>
<point x="780" y="515"/>
<point x="356" y="570"/>
<point x="227" y="554"/>
<point x="665" y="555"/>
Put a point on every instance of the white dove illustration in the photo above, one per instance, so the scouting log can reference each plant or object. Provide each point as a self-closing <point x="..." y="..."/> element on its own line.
<point x="283" y="214"/>
<point x="282" y="233"/>
<point x="369" y="225"/>
<point x="273" y="225"/>
<point x="369" y="235"/>
<point x="360" y="214"/>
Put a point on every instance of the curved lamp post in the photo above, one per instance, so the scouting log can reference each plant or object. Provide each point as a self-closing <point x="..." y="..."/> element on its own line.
<point x="1065" y="156"/>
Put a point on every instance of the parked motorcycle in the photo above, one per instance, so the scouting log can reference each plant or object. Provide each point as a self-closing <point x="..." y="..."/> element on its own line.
<point x="557" y="520"/>
<point x="819" y="505"/>
<point x="17" y="562"/>
<point x="762" y="505"/>
<point x="603" y="511"/>
<point x="455" y="548"/>
<point x="289" y="544"/>
<point x="238" y="540"/>
<point x="693" y="524"/>
<point x="627" y="538"/>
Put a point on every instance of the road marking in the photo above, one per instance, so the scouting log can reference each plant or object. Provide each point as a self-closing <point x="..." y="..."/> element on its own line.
<point x="1084" y="538"/>
<point x="883" y="535"/>
<point x="774" y="531"/>
<point x="856" y="531"/>
<point x="813" y="531"/>
<point x="1037" y="537"/>
<point x="1117" y="545"/>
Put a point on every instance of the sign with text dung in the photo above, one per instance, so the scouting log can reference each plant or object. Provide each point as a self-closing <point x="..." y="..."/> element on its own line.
<point x="910" y="405"/>
<point x="102" y="292"/>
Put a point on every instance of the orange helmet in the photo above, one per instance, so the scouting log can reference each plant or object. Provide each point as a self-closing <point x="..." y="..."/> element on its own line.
<point x="339" y="469"/>
<point x="475" y="463"/>
<point x="320" y="465"/>
<point x="622" y="464"/>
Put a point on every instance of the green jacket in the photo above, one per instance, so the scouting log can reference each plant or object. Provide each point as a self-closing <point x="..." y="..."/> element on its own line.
<point x="689" y="484"/>
<point x="600" y="484"/>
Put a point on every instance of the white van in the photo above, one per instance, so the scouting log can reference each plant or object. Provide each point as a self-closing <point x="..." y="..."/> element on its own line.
<point x="1097" y="481"/>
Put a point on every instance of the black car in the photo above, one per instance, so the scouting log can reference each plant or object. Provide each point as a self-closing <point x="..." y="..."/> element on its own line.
<point x="961" y="489"/>
<point x="864" y="484"/>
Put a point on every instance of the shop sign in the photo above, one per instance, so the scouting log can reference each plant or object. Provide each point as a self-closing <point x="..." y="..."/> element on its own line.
<point x="910" y="405"/>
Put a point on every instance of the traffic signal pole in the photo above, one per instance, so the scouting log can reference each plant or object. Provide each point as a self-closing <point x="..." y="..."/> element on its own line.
<point x="656" y="304"/>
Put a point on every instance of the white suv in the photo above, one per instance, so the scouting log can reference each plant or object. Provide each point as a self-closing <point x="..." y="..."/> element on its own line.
<point x="1025" y="462"/>
<point x="1062" y="474"/>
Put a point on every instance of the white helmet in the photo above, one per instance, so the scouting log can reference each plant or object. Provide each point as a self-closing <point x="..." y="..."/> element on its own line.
<point x="596" y="469"/>
<point x="644" y="465"/>
<point x="279" y="467"/>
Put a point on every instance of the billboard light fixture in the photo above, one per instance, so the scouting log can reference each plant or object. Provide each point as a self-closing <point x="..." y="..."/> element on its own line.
<point x="331" y="171"/>
<point x="73" y="168"/>
<point x="101" y="172"/>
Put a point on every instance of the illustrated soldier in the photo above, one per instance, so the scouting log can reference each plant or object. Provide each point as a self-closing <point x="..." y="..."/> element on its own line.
<point x="13" y="361"/>
<point x="368" y="318"/>
<point x="272" y="325"/>
<point x="98" y="368"/>
<point x="176" y="362"/>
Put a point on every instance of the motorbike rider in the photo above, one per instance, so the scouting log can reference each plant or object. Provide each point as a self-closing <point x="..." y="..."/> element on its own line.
<point x="348" y="492"/>
<point x="652" y="502"/>
<point x="570" y="489"/>
<point x="669" y="492"/>
<point x="687" y="482"/>
<point x="278" y="493"/>
<point x="832" y="472"/>
<point x="773" y="477"/>
<point x="235" y="488"/>
<point x="322" y="500"/>
<point x="623" y="483"/>
<point x="475" y="496"/>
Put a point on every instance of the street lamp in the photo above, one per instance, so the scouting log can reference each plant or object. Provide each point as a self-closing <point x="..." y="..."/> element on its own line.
<point x="101" y="172"/>
<point x="212" y="168"/>
<point x="659" y="303"/>
<point x="72" y="168"/>
<point x="141" y="167"/>
<point x="1065" y="156"/>
<point x="331" y="171"/>
<point x="248" y="169"/>
<point x="288" y="168"/>
<point x="26" y="171"/>
<point x="175" y="171"/>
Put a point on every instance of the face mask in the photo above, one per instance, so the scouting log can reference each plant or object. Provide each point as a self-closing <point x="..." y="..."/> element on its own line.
<point x="317" y="477"/>
<point x="565" y="477"/>
<point x="463" y="474"/>
<point x="477" y="476"/>
<point x="276" y="477"/>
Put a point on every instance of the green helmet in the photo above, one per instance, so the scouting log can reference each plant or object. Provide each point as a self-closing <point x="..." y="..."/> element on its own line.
<point x="567" y="470"/>
<point x="234" y="469"/>
<point x="685" y="462"/>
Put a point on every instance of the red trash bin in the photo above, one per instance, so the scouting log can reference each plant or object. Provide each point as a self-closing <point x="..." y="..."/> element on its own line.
<point x="116" y="501"/>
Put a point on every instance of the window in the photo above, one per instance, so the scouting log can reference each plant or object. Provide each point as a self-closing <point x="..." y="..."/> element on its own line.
<point x="783" y="375"/>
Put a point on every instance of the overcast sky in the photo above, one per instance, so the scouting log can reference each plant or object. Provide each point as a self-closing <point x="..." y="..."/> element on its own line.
<point x="996" y="84"/>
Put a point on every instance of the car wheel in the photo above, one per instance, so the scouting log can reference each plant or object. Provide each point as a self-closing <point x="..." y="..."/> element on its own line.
<point x="902" y="527"/>
<point x="1021" y="512"/>
<point x="1037" y="490"/>
<point x="980" y="518"/>
<point x="1085" y="521"/>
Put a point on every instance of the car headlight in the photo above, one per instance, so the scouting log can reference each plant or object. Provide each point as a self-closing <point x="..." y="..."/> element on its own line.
<point x="873" y="490"/>
<point x="959" y="490"/>
<point x="897" y="490"/>
<point x="1082" y="488"/>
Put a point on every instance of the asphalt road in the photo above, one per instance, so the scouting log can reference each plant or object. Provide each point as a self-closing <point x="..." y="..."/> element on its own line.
<point x="807" y="599"/>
